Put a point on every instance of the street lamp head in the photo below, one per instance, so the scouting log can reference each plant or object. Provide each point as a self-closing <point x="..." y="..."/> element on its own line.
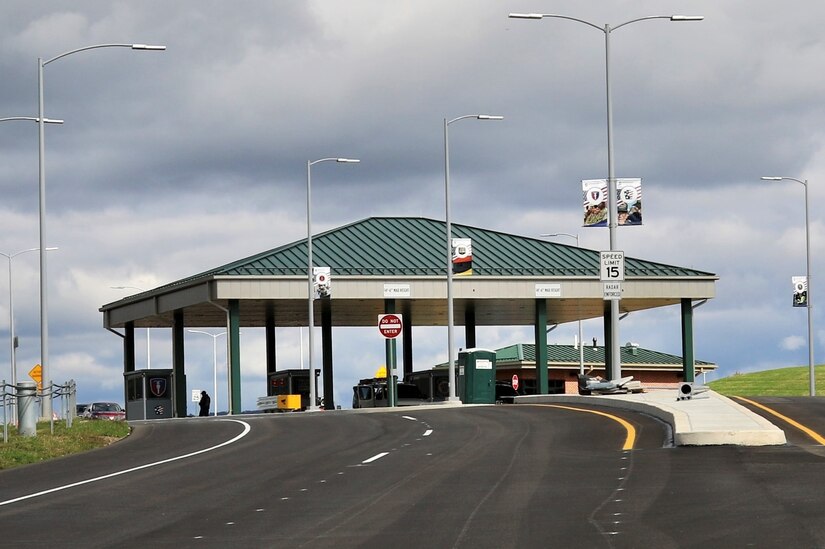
<point x="32" y="118"/>
<point x="348" y="160"/>
<point x="489" y="117"/>
<point x="525" y="16"/>
<point x="772" y="178"/>
<point x="687" y="17"/>
<point x="147" y="47"/>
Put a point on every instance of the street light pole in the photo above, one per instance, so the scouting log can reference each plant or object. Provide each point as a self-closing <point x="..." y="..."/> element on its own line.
<point x="310" y="286"/>
<point x="450" y="316"/>
<point x="581" y="341"/>
<point x="12" y="346"/>
<point x="615" y="370"/>
<point x="214" y="365"/>
<point x="809" y="305"/>
<point x="46" y="404"/>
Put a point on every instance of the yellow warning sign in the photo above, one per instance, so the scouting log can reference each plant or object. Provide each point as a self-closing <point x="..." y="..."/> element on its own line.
<point x="36" y="374"/>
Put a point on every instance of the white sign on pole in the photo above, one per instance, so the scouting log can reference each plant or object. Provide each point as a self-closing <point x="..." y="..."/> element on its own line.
<point x="196" y="395"/>
<point x="612" y="266"/>
<point x="612" y="290"/>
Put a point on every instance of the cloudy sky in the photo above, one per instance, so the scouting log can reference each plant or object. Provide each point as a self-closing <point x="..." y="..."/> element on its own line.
<point x="174" y="162"/>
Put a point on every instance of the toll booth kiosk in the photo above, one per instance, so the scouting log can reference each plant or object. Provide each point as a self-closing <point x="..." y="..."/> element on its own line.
<point x="477" y="376"/>
<point x="150" y="394"/>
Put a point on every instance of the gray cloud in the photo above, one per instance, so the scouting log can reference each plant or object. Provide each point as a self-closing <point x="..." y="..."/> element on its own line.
<point x="174" y="162"/>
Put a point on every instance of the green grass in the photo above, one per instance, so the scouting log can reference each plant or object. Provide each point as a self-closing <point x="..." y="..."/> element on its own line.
<point x="792" y="381"/>
<point x="84" y="435"/>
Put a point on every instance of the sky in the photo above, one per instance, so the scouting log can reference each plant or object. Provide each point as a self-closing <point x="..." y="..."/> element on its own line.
<point x="171" y="163"/>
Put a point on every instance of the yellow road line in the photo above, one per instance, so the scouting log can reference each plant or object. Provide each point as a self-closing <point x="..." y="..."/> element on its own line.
<point x="631" y="431"/>
<point x="810" y="432"/>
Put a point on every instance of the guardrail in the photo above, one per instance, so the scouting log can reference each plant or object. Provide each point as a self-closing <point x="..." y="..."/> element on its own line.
<point x="66" y="393"/>
<point x="280" y="403"/>
<point x="8" y="400"/>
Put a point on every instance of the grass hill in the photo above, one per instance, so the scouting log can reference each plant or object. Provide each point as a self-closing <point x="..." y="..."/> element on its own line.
<point x="780" y="382"/>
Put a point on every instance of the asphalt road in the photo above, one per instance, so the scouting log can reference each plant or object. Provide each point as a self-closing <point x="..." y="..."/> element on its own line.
<point x="476" y="477"/>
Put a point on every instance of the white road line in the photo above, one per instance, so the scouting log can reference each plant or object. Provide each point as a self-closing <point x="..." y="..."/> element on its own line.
<point x="375" y="457"/>
<point x="410" y="418"/>
<point x="245" y="432"/>
<point x="428" y="432"/>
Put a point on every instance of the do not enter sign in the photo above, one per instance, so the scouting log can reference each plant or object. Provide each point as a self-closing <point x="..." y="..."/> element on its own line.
<point x="515" y="382"/>
<point x="390" y="325"/>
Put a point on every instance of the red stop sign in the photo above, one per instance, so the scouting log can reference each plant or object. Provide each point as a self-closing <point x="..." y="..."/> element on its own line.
<point x="390" y="325"/>
<point x="515" y="382"/>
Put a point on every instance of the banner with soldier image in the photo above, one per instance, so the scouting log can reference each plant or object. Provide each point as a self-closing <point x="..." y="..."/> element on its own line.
<point x="628" y="200"/>
<point x="800" y="291"/>
<point x="322" y="282"/>
<point x="462" y="256"/>
<point x="629" y="192"/>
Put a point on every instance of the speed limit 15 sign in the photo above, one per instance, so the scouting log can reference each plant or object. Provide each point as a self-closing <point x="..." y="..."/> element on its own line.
<point x="612" y="266"/>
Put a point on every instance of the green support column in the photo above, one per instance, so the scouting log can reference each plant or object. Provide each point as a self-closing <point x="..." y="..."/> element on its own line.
<point x="234" y="356"/>
<point x="271" y="364"/>
<point x="178" y="367"/>
<point x="390" y="356"/>
<point x="688" y="360"/>
<point x="326" y="352"/>
<point x="541" y="346"/>
<point x="406" y="334"/>
<point x="128" y="355"/>
<point x="470" y="327"/>
<point x="608" y="348"/>
<point x="129" y="348"/>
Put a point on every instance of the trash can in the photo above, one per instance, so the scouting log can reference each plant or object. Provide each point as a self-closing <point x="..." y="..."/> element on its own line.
<point x="477" y="376"/>
<point x="27" y="408"/>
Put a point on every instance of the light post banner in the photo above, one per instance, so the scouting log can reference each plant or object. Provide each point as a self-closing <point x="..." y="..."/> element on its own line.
<point x="800" y="291"/>
<point x="322" y="281"/>
<point x="628" y="200"/>
<point x="629" y="192"/>
<point x="595" y="202"/>
<point x="462" y="256"/>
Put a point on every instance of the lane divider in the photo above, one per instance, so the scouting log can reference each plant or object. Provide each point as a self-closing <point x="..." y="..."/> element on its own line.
<point x="245" y="432"/>
<point x="376" y="457"/>
<point x="630" y="440"/>
<point x="810" y="432"/>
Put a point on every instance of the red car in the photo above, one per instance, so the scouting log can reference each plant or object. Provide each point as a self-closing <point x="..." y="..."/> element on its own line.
<point x="105" y="410"/>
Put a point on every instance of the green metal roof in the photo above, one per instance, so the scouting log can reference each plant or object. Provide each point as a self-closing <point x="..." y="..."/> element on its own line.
<point x="561" y="354"/>
<point x="409" y="246"/>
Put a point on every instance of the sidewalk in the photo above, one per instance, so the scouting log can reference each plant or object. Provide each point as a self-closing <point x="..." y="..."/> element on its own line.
<point x="709" y="419"/>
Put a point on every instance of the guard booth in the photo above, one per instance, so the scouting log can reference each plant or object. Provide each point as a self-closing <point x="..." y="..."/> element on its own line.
<point x="477" y="376"/>
<point x="150" y="394"/>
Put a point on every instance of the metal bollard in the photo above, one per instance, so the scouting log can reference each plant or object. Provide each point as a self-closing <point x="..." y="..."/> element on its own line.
<point x="27" y="408"/>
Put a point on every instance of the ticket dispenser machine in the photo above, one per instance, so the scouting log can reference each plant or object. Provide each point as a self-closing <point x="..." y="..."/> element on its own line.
<point x="150" y="394"/>
<point x="477" y="376"/>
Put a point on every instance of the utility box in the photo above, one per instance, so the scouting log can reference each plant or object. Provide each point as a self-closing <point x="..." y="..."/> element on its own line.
<point x="477" y="376"/>
<point x="150" y="394"/>
<point x="289" y="403"/>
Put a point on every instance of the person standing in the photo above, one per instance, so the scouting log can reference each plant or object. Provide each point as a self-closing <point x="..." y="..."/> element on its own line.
<point x="204" y="404"/>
